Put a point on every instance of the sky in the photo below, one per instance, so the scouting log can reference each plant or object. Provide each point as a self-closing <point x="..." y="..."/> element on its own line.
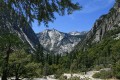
<point x="82" y="20"/>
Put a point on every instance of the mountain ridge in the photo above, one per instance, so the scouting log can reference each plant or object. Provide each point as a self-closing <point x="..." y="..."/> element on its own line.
<point x="58" y="42"/>
<point x="10" y="23"/>
<point x="104" y="24"/>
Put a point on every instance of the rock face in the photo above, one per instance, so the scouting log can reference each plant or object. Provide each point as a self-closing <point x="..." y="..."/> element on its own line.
<point x="27" y="35"/>
<point x="59" y="42"/>
<point x="9" y="22"/>
<point x="104" y="24"/>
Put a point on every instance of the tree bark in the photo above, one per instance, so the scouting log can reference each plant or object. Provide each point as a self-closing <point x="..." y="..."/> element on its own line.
<point x="17" y="78"/>
<point x="16" y="73"/>
<point x="5" y="64"/>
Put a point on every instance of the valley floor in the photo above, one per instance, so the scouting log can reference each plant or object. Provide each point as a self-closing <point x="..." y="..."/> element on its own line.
<point x="48" y="78"/>
<point x="87" y="76"/>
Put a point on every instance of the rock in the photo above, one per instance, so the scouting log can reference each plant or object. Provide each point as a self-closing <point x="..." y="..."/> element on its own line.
<point x="59" y="42"/>
<point x="9" y="22"/>
<point x="105" y="23"/>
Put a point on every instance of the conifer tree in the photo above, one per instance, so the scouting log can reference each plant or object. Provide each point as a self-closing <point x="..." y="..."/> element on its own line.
<point x="8" y="43"/>
<point x="41" y="10"/>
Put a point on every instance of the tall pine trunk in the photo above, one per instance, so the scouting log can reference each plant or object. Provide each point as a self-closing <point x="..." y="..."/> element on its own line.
<point x="16" y="75"/>
<point x="5" y="64"/>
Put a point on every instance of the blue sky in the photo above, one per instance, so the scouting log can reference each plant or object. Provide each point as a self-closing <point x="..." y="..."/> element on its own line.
<point x="82" y="20"/>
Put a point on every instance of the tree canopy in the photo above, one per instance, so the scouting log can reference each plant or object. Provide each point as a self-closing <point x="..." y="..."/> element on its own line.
<point x="41" y="10"/>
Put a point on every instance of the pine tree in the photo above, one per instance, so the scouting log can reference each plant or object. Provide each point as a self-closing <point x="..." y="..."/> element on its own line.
<point x="18" y="60"/>
<point x="39" y="55"/>
<point x="8" y="43"/>
<point x="42" y="10"/>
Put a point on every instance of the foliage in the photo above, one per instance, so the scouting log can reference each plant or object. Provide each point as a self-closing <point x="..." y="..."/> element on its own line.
<point x="21" y="64"/>
<point x="58" y="73"/>
<point x="41" y="10"/>
<point x="98" y="67"/>
<point x="118" y="0"/>
<point x="8" y="44"/>
<point x="17" y="61"/>
<point x="38" y="55"/>
<point x="103" y="74"/>
<point x="116" y="68"/>
<point x="96" y="75"/>
<point x="104" y="54"/>
<point x="63" y="77"/>
<point x="74" y="78"/>
<point x="12" y="53"/>
<point x="34" y="70"/>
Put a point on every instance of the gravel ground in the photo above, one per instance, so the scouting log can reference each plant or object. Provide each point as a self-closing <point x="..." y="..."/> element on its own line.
<point x="87" y="75"/>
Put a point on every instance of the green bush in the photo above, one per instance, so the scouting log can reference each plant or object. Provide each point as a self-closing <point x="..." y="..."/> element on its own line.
<point x="58" y="73"/>
<point x="96" y="75"/>
<point x="74" y="78"/>
<point x="118" y="0"/>
<point x="118" y="75"/>
<point x="103" y="74"/>
<point x="116" y="69"/>
<point x="63" y="77"/>
<point x="98" y="67"/>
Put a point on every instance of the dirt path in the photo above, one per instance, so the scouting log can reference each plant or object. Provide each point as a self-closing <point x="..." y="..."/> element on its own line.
<point x="88" y="75"/>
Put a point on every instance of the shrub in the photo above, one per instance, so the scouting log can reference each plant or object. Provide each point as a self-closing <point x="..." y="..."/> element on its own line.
<point x="103" y="74"/>
<point x="58" y="73"/>
<point x="118" y="75"/>
<point x="98" y="67"/>
<point x="116" y="69"/>
<point x="63" y="77"/>
<point x="74" y="78"/>
<point x="96" y="75"/>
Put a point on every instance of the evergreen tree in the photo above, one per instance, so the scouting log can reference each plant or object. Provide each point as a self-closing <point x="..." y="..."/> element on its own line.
<point x="8" y="43"/>
<point x="46" y="69"/>
<point x="17" y="62"/>
<point x="42" y="10"/>
<point x="39" y="55"/>
<point x="21" y="66"/>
